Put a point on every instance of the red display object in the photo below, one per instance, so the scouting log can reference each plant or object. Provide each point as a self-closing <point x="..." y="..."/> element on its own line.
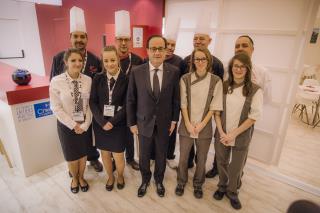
<point x="37" y="89"/>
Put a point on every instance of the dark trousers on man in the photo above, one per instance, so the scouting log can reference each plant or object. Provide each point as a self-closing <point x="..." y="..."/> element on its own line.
<point x="129" y="146"/>
<point x="160" y="145"/>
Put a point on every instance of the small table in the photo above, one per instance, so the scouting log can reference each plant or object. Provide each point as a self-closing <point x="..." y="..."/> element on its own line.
<point x="314" y="93"/>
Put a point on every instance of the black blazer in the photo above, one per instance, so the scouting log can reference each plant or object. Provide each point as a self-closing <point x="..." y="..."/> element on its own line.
<point x="99" y="97"/>
<point x="142" y="107"/>
<point x="93" y="65"/>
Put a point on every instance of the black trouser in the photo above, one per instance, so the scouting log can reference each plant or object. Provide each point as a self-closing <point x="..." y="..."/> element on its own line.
<point x="192" y="156"/>
<point x="129" y="146"/>
<point x="158" y="143"/>
<point x="172" y="144"/>
<point x="93" y="153"/>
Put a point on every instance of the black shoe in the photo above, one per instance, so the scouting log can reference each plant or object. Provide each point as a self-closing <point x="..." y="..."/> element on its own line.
<point x="143" y="189"/>
<point x="74" y="190"/>
<point x="160" y="189"/>
<point x="109" y="187"/>
<point x="134" y="165"/>
<point x="235" y="202"/>
<point x="121" y="185"/>
<point x="212" y="173"/>
<point x="96" y="165"/>
<point x="198" y="192"/>
<point x="179" y="190"/>
<point x="218" y="195"/>
<point x="190" y="165"/>
<point x="84" y="188"/>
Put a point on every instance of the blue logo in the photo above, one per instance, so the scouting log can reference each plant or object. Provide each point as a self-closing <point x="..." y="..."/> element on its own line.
<point x="42" y="109"/>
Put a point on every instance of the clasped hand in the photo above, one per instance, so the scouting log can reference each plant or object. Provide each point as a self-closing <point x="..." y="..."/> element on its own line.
<point x="108" y="126"/>
<point x="78" y="129"/>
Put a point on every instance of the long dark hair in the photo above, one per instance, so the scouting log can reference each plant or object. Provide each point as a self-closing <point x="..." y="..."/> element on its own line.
<point x="208" y="56"/>
<point x="247" y="87"/>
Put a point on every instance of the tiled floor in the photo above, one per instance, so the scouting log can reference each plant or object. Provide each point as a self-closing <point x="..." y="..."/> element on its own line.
<point x="48" y="191"/>
<point x="300" y="157"/>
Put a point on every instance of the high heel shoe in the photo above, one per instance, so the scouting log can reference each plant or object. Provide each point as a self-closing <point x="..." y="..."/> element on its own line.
<point x="84" y="188"/>
<point x="109" y="187"/>
<point x="121" y="185"/>
<point x="74" y="190"/>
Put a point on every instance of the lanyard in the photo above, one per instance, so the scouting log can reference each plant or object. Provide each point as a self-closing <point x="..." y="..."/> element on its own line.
<point x="110" y="90"/>
<point x="85" y="62"/>
<point x="129" y="66"/>
<point x="71" y="88"/>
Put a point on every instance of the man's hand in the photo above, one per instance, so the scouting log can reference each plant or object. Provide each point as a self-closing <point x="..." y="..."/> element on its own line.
<point x="108" y="126"/>
<point x="173" y="125"/>
<point x="134" y="129"/>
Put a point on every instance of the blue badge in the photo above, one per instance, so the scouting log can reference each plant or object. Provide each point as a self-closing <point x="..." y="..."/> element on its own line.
<point x="42" y="109"/>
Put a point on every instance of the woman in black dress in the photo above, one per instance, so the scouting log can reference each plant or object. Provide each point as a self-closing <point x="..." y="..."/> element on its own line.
<point x="107" y="102"/>
<point x="69" y="101"/>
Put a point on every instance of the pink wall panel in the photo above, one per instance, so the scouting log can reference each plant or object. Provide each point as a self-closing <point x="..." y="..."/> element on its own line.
<point x="54" y="22"/>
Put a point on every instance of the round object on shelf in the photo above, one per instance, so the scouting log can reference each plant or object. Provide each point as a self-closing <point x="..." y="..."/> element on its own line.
<point x="21" y="76"/>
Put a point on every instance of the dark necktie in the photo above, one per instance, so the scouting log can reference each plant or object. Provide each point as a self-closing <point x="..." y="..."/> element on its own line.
<point x="112" y="82"/>
<point x="156" y="84"/>
<point x="77" y="97"/>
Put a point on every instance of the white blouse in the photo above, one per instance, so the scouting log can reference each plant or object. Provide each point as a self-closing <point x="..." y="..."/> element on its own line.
<point x="62" y="103"/>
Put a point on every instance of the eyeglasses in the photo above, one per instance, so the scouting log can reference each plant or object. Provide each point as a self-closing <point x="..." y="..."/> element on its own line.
<point x="198" y="60"/>
<point x="154" y="49"/>
<point x="242" y="67"/>
<point x="123" y="39"/>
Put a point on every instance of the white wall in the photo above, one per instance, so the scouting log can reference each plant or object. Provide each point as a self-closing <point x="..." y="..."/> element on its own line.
<point x="279" y="30"/>
<point x="19" y="30"/>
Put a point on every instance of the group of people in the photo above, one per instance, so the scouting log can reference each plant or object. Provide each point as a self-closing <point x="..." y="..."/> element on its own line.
<point x="125" y="97"/>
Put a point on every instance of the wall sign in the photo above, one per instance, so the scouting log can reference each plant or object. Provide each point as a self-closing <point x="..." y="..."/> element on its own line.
<point x="137" y="37"/>
<point x="42" y="109"/>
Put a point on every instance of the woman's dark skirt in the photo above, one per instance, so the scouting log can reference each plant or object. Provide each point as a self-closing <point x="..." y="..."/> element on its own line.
<point x="113" y="140"/>
<point x="74" y="146"/>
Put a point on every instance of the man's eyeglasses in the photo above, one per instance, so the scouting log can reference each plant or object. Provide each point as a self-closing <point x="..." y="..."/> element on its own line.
<point x="200" y="60"/>
<point x="242" y="67"/>
<point x="154" y="49"/>
<point x="123" y="39"/>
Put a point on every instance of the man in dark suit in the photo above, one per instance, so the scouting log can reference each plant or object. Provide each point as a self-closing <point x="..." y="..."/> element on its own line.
<point x="153" y="110"/>
<point x="79" y="40"/>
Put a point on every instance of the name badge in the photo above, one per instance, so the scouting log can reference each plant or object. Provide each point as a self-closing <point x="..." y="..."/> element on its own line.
<point x="85" y="95"/>
<point x="78" y="116"/>
<point x="108" y="110"/>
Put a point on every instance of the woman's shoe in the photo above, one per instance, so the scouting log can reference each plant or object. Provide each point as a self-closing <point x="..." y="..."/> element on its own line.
<point x="84" y="188"/>
<point x="109" y="187"/>
<point x="121" y="185"/>
<point x="74" y="190"/>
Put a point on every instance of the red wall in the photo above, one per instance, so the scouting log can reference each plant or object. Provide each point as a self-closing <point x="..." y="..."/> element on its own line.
<point x="54" y="22"/>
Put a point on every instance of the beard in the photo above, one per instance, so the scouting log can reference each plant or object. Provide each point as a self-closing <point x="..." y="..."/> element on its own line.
<point x="80" y="45"/>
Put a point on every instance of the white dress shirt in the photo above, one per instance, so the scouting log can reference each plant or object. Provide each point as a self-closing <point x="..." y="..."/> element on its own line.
<point x="62" y="103"/>
<point x="159" y="74"/>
